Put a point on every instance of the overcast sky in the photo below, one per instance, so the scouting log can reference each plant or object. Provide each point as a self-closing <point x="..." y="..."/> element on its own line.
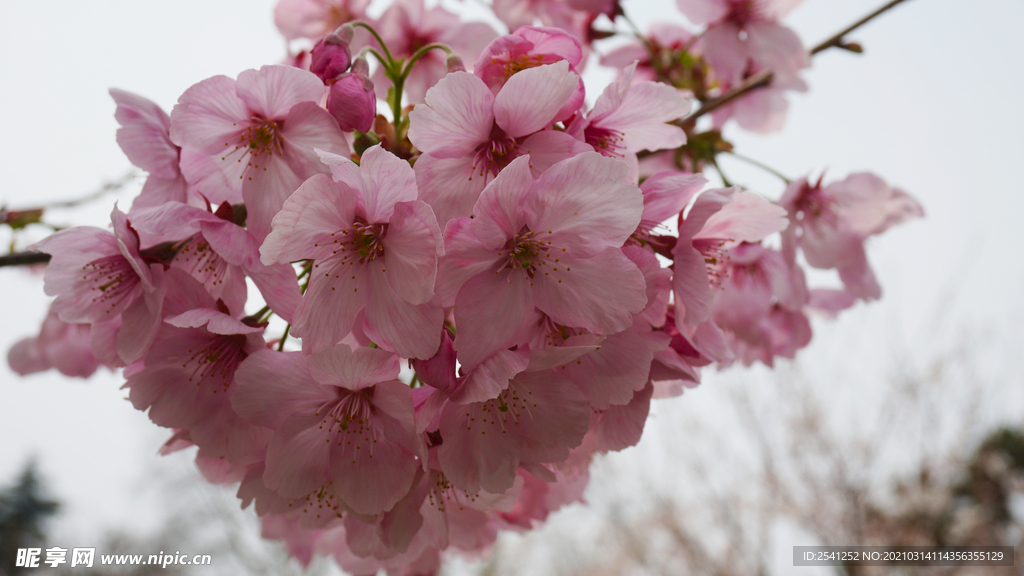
<point x="933" y="106"/>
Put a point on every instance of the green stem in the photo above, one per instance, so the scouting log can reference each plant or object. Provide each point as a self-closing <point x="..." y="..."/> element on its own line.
<point x="383" y="61"/>
<point x="725" y="181"/>
<point x="764" y="167"/>
<point x="280" y="345"/>
<point x="265" y="311"/>
<point x="417" y="54"/>
<point x="380" y="40"/>
<point x="399" y="80"/>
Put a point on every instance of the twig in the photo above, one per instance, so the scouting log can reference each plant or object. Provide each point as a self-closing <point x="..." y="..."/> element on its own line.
<point x="763" y="78"/>
<point x="24" y="259"/>
<point x="109" y="186"/>
<point x="837" y="39"/>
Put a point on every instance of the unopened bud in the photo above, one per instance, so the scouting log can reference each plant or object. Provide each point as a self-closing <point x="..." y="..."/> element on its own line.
<point x="331" y="56"/>
<point x="454" y="64"/>
<point x="352" y="101"/>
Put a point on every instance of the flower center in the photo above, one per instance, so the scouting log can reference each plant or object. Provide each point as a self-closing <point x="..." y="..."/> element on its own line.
<point x="348" y="419"/>
<point x="112" y="281"/>
<point x="201" y="262"/>
<point x="604" y="140"/>
<point x="525" y="252"/>
<point x="523" y="62"/>
<point x="492" y="156"/>
<point x="216" y="362"/>
<point x="816" y="207"/>
<point x="716" y="260"/>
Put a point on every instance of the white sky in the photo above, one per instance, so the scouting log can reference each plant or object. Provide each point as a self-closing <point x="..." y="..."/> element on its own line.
<point x="934" y="106"/>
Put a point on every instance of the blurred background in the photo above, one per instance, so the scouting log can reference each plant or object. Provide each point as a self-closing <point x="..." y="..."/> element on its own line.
<point x="902" y="422"/>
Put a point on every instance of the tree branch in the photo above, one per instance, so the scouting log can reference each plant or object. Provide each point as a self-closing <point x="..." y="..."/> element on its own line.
<point x="24" y="259"/>
<point x="764" y="78"/>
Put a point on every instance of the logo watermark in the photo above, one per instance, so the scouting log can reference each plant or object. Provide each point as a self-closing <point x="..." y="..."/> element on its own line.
<point x="34" y="558"/>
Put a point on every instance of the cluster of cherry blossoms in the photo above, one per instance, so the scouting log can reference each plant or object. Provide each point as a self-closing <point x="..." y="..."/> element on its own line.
<point x="483" y="291"/>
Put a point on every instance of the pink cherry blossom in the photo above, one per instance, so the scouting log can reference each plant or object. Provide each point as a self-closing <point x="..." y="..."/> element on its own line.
<point x="260" y="132"/>
<point x="573" y="16"/>
<point x="529" y="47"/>
<point x="538" y="418"/>
<point x="221" y="255"/>
<point x="144" y="136"/>
<point x="98" y="276"/>
<point x="187" y="382"/>
<point x="747" y="31"/>
<point x="468" y="135"/>
<point x="629" y="117"/>
<point x="408" y="25"/>
<point x="835" y="220"/>
<point x="376" y="249"/>
<point x="315" y="18"/>
<point x="760" y="306"/>
<point x="59" y="345"/>
<point x="718" y="220"/>
<point x="549" y="243"/>
<point x="342" y="424"/>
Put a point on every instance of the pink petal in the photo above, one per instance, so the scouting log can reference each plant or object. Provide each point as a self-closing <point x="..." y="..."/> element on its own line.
<point x="612" y="373"/>
<point x="214" y="321"/>
<point x="144" y="135"/>
<point x="449" y="185"/>
<point x="270" y="386"/>
<point x="666" y="194"/>
<point x="456" y="118"/>
<point x="298" y="457"/>
<point x="491" y="376"/>
<point x="305" y="226"/>
<point x="208" y="115"/>
<point x="587" y="203"/>
<point x="580" y="295"/>
<point x="465" y="257"/>
<point x="273" y="90"/>
<point x="140" y="322"/>
<point x="725" y="52"/>
<point x="499" y="211"/>
<point x="532" y="98"/>
<point x="746" y="218"/>
<point x="475" y="454"/>
<point x="353" y="369"/>
<point x="265" y="190"/>
<point x="387" y="180"/>
<point x="490" y="311"/>
<point x="411" y="330"/>
<point x="330" y="305"/>
<point x="548" y="147"/>
<point x="704" y="11"/>
<point x="411" y="247"/>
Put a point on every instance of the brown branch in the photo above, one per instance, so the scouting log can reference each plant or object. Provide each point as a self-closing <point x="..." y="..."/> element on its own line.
<point x="24" y="259"/>
<point x="764" y="78"/>
<point x="837" y="39"/>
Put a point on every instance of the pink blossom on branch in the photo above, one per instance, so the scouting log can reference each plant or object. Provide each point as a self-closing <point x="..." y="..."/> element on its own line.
<point x="260" y="132"/>
<point x="99" y="276"/>
<point x="549" y="243"/>
<point x="468" y="135"/>
<point x="375" y="249"/>
<point x="341" y="421"/>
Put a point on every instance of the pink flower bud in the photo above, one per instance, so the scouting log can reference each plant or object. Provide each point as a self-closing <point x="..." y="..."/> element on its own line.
<point x="352" y="101"/>
<point x="331" y="56"/>
<point x="454" y="64"/>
